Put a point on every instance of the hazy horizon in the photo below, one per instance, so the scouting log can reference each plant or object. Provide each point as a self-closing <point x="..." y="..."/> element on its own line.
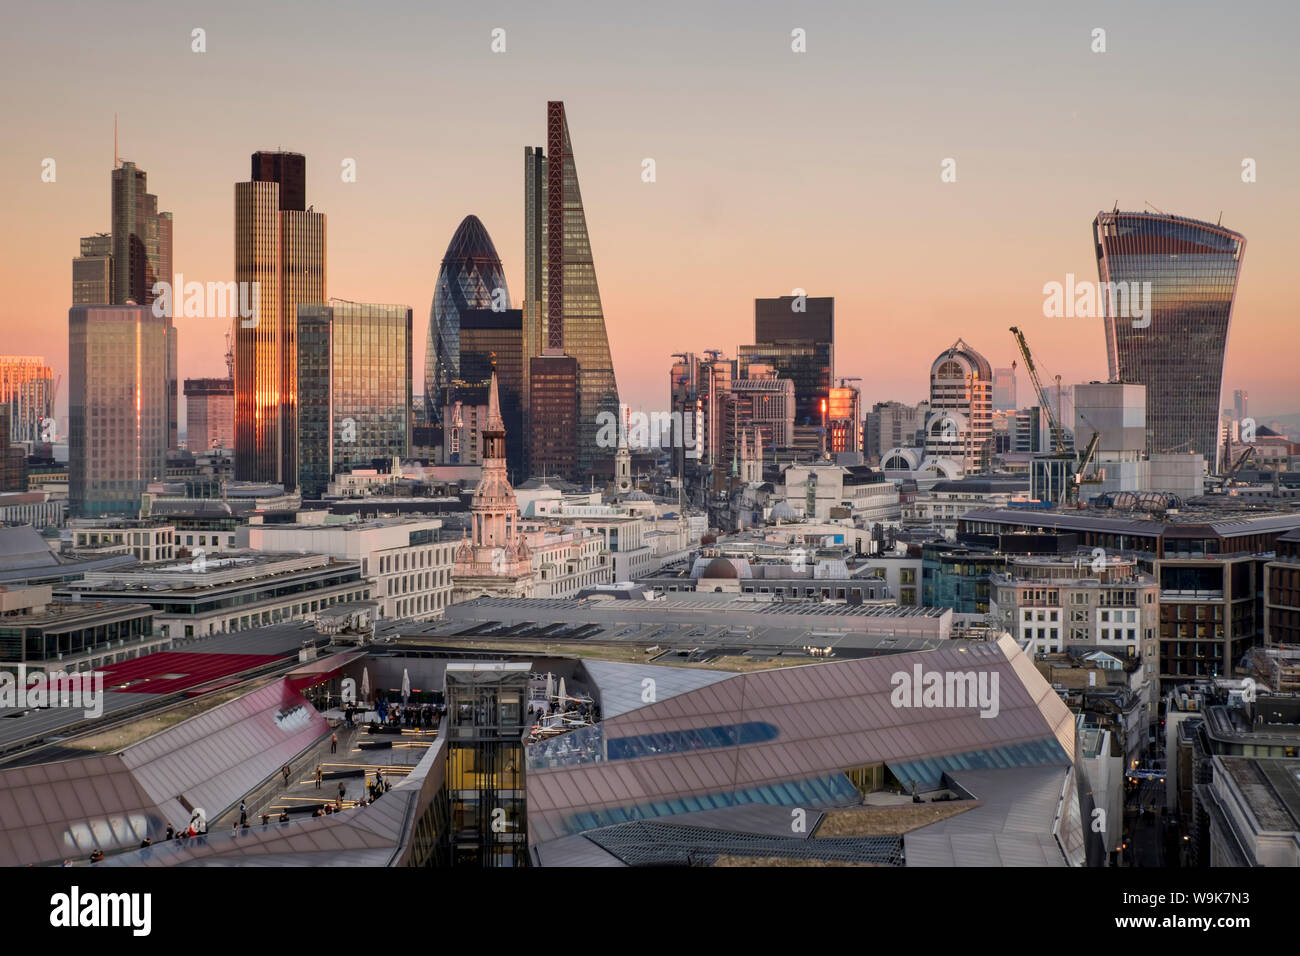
<point x="775" y="170"/>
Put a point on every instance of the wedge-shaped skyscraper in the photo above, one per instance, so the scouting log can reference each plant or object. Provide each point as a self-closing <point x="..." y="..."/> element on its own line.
<point x="1167" y="288"/>
<point x="563" y="314"/>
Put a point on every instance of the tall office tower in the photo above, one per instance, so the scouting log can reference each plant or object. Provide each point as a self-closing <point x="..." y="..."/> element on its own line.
<point x="1241" y="403"/>
<point x="289" y="170"/>
<point x="142" y="238"/>
<point x="470" y="277"/>
<point x="959" y="425"/>
<point x="761" y="403"/>
<point x="534" y="262"/>
<point x="684" y="406"/>
<point x="893" y="425"/>
<point x="280" y="246"/>
<point x="123" y="267"/>
<point x="796" y="336"/>
<point x="92" y="271"/>
<point x="491" y="340"/>
<point x="1004" y="389"/>
<point x="553" y="401"/>
<point x="1176" y="348"/>
<point x="27" y="388"/>
<point x="565" y="276"/>
<point x="117" y="406"/>
<point x="844" y="419"/>
<point x="354" y="388"/>
<point x="209" y="413"/>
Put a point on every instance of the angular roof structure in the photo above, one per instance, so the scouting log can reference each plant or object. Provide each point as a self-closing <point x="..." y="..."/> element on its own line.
<point x="788" y="737"/>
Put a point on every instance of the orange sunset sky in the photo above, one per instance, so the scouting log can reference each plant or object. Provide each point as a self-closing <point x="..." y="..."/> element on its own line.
<point x="775" y="169"/>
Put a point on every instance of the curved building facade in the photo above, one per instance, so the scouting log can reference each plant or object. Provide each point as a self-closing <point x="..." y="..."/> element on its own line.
<point x="470" y="275"/>
<point x="959" y="425"/>
<point x="1167" y="324"/>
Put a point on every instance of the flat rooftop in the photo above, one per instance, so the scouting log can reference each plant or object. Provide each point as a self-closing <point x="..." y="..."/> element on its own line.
<point x="1271" y="788"/>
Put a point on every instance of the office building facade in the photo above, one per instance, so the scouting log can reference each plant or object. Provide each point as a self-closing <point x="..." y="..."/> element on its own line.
<point x="959" y="424"/>
<point x="209" y="413"/>
<point x="280" y="246"/>
<point x="354" y="388"/>
<point x="1176" y="349"/>
<point x="117" y="406"/>
<point x="573" y="321"/>
<point x="490" y="341"/>
<point x="27" y="388"/>
<point x="795" y="335"/>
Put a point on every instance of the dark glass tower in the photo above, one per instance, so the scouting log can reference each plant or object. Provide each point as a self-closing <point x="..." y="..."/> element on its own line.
<point x="493" y="341"/>
<point x="470" y="275"/>
<point x="1177" y="349"/>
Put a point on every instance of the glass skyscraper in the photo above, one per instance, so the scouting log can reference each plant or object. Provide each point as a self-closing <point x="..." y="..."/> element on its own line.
<point x="1176" y="349"/>
<point x="117" y="407"/>
<point x="469" y="278"/>
<point x="280" y="246"/>
<point x="560" y="275"/>
<point x="354" y="388"/>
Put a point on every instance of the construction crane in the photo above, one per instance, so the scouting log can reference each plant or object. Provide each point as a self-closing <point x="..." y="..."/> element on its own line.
<point x="230" y="351"/>
<point x="1077" y="467"/>
<point x="1057" y="436"/>
<point x="1230" y="476"/>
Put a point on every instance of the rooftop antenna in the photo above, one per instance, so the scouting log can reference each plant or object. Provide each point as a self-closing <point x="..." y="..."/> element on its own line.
<point x="115" y="141"/>
<point x="1155" y="207"/>
<point x="1220" y="222"/>
<point x="1116" y="209"/>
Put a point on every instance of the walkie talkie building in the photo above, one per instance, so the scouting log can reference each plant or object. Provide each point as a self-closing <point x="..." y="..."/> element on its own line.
<point x="1173" y="333"/>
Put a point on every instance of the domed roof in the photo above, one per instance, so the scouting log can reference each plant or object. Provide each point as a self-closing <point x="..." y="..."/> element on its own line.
<point x="720" y="568"/>
<point x="967" y="361"/>
<point x="471" y="242"/>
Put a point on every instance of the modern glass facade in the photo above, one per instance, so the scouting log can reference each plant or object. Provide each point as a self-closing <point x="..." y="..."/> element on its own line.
<point x="797" y="338"/>
<point x="281" y="247"/>
<point x="470" y="275"/>
<point x="573" y="318"/>
<point x="1176" y="350"/>
<point x="117" y="406"/>
<point x="485" y="763"/>
<point x="354" y="388"/>
<point x="494" y="340"/>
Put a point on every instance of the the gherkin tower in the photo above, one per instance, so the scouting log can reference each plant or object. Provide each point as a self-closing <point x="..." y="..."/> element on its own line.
<point x="471" y="277"/>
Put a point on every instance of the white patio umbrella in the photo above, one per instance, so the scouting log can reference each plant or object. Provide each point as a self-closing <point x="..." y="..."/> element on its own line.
<point x="365" y="684"/>
<point x="563" y="698"/>
<point x="406" y="684"/>
<point x="550" y="687"/>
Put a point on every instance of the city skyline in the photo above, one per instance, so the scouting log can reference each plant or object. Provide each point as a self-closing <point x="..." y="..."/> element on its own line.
<point x="863" y="214"/>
